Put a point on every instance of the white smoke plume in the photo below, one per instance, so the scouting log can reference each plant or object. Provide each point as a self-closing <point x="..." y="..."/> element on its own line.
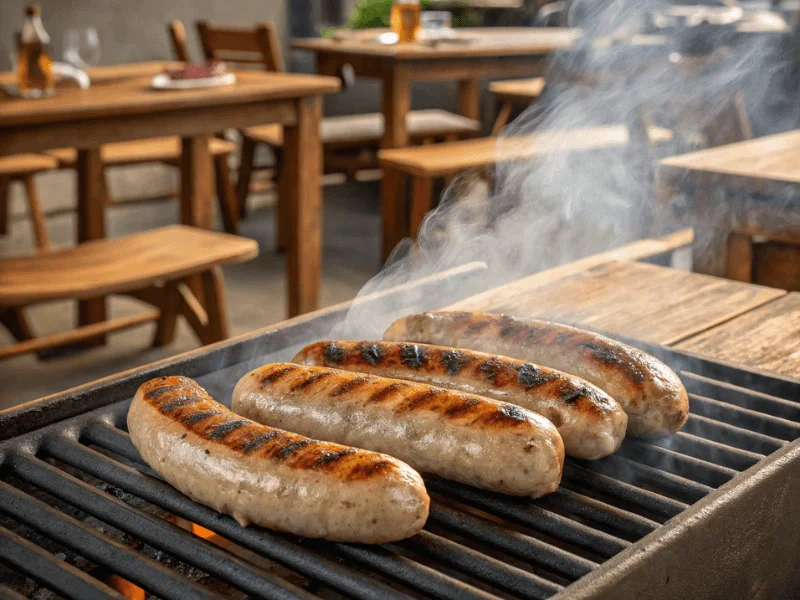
<point x="563" y="205"/>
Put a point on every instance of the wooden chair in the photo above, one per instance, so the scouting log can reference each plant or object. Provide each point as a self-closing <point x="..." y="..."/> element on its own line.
<point x="167" y="150"/>
<point x="423" y="164"/>
<point x="23" y="168"/>
<point x="349" y="143"/>
<point x="511" y="94"/>
<point x="153" y="266"/>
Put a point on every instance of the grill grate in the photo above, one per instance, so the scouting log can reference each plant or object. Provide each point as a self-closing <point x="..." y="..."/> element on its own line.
<point x="476" y="545"/>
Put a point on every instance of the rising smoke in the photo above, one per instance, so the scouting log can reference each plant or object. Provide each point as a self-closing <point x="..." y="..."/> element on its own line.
<point x="563" y="205"/>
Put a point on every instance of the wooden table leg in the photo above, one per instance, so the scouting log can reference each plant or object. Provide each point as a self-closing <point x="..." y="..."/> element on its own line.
<point x="396" y="103"/>
<point x="91" y="226"/>
<point x="300" y="187"/>
<point x="469" y="99"/>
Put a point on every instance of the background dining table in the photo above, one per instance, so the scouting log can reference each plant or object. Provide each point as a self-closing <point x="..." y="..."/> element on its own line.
<point x="473" y="54"/>
<point x="121" y="105"/>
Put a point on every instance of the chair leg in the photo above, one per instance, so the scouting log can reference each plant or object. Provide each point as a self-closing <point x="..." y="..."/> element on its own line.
<point x="225" y="195"/>
<point x="5" y="185"/>
<point x="245" y="174"/>
<point x="36" y="214"/>
<point x="15" y="321"/>
<point x="393" y="209"/>
<point x="420" y="203"/>
<point x="169" y="308"/>
<point x="216" y="311"/>
<point x="283" y="217"/>
<point x="502" y="118"/>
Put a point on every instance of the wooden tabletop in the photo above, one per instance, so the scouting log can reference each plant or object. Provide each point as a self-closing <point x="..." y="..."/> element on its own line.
<point x="472" y="42"/>
<point x="767" y="338"/>
<point x="133" y="95"/>
<point x="629" y="299"/>
<point x="764" y="160"/>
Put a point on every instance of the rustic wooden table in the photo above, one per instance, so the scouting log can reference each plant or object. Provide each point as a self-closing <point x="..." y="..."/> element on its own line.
<point x="760" y="180"/>
<point x="477" y="53"/>
<point x="121" y="106"/>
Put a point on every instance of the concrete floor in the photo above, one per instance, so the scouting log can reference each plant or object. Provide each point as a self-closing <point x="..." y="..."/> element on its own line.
<point x="256" y="291"/>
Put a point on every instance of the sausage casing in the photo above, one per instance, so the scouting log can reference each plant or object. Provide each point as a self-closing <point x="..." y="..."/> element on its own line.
<point x="591" y="423"/>
<point x="270" y="477"/>
<point x="475" y="440"/>
<point x="648" y="391"/>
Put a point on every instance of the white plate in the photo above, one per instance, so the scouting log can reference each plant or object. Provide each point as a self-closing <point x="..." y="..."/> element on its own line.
<point x="163" y="82"/>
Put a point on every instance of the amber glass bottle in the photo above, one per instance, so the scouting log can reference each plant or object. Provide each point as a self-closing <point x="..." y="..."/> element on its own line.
<point x="34" y="62"/>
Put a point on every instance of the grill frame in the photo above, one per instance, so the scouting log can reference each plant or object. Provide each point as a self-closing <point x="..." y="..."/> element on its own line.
<point x="671" y="561"/>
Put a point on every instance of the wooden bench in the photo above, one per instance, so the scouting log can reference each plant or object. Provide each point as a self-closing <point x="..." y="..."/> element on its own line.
<point x="175" y="269"/>
<point x="514" y="92"/>
<point x="425" y="163"/>
<point x="22" y="167"/>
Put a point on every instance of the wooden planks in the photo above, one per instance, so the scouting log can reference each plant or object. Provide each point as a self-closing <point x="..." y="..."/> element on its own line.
<point x="518" y="90"/>
<point x="634" y="300"/>
<point x="766" y="338"/>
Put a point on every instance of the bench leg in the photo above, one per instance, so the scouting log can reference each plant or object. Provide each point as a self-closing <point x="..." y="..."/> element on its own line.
<point x="283" y="217"/>
<point x="36" y="214"/>
<point x="393" y="209"/>
<point x="15" y="321"/>
<point x="245" y="174"/>
<point x="421" y="200"/>
<point x="225" y="195"/>
<point x="740" y="258"/>
<point x="169" y="306"/>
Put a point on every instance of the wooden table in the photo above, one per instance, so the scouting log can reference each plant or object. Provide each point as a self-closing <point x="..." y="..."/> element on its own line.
<point x="758" y="181"/>
<point x="121" y="106"/>
<point x="484" y="52"/>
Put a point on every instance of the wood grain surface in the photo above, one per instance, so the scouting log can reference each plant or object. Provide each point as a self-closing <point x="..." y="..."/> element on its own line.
<point x="629" y="299"/>
<point x="765" y="338"/>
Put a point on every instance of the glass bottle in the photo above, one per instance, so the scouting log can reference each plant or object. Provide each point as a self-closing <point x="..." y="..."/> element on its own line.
<point x="34" y="59"/>
<point x="405" y="19"/>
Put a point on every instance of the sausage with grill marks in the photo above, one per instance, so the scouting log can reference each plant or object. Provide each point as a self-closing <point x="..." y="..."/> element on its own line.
<point x="647" y="389"/>
<point x="271" y="477"/>
<point x="471" y="439"/>
<point x="591" y="423"/>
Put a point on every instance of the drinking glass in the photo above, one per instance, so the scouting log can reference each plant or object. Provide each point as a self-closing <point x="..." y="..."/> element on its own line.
<point x="82" y="47"/>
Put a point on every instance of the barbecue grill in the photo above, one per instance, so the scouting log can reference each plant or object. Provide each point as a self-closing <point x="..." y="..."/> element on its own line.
<point x="705" y="513"/>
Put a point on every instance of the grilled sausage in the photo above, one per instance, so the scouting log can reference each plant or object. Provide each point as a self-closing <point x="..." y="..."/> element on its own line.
<point x="270" y="477"/>
<point x="648" y="390"/>
<point x="591" y="423"/>
<point x="475" y="440"/>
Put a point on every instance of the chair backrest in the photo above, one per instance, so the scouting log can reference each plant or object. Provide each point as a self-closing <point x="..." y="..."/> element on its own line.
<point x="177" y="38"/>
<point x="253" y="46"/>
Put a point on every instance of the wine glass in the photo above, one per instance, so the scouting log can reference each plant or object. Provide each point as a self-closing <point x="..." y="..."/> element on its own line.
<point x="82" y="47"/>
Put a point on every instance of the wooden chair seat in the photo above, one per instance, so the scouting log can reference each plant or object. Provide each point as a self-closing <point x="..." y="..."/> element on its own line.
<point x="17" y="165"/>
<point x="176" y="269"/>
<point x="166" y="149"/>
<point x="518" y="90"/>
<point x="367" y="129"/>
<point x="424" y="163"/>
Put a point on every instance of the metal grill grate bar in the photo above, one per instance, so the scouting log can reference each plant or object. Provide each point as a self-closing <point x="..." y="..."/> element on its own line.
<point x="732" y="435"/>
<point x="708" y="450"/>
<point x="685" y="466"/>
<point x="535" y="517"/>
<point x="645" y="475"/>
<point x="505" y="577"/>
<point x="155" y="531"/>
<point x="267" y="543"/>
<point x="56" y="574"/>
<point x="601" y="513"/>
<point x="763" y="403"/>
<point x="743" y="417"/>
<point x="520" y="545"/>
<point x="645" y="499"/>
<point x="406" y="571"/>
<point x="144" y="572"/>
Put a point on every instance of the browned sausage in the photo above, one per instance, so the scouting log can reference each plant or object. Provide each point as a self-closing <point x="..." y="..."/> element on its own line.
<point x="591" y="424"/>
<point x="270" y="477"/>
<point x="648" y="390"/>
<point x="472" y="439"/>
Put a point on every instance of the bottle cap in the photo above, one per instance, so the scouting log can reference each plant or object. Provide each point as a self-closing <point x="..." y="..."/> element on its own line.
<point x="33" y="9"/>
